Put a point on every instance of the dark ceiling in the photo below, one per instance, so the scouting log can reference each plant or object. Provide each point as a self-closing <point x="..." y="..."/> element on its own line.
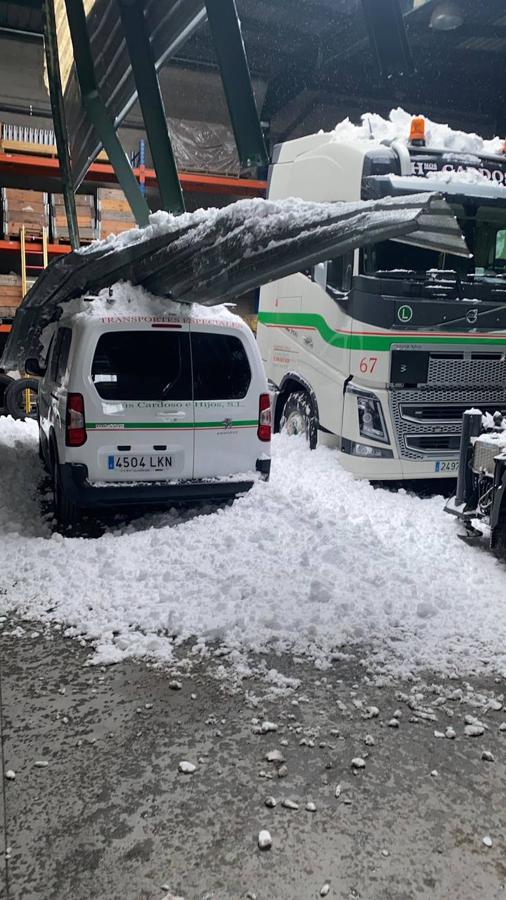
<point x="312" y="64"/>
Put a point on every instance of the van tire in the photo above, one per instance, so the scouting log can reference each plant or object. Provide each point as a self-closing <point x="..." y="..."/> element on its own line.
<point x="299" y="417"/>
<point x="14" y="397"/>
<point x="67" y="511"/>
<point x="5" y="381"/>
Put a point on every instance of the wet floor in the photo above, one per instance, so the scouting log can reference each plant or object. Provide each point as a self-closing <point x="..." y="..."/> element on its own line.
<point x="111" y="817"/>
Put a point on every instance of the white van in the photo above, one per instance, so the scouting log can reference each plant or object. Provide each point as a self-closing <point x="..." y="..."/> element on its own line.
<point x="151" y="404"/>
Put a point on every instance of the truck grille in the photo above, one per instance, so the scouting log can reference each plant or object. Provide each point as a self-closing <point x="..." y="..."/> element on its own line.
<point x="487" y="369"/>
<point x="421" y="412"/>
<point x="419" y="436"/>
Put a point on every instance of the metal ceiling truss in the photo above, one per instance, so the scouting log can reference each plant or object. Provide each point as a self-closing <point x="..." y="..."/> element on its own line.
<point x="59" y="121"/>
<point x="229" y="46"/>
<point x="151" y="103"/>
<point x="97" y="112"/>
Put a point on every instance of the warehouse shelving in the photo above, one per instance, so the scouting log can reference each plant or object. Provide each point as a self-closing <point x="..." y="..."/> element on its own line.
<point x="28" y="166"/>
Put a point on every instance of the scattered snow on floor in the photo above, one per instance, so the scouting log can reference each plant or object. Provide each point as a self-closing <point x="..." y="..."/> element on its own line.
<point x="312" y="561"/>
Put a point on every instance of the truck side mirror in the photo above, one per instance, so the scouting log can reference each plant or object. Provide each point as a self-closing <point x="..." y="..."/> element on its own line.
<point x="33" y="367"/>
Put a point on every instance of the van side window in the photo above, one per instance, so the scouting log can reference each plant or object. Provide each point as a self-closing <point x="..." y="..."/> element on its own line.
<point x="60" y="355"/>
<point x="142" y="365"/>
<point x="221" y="370"/>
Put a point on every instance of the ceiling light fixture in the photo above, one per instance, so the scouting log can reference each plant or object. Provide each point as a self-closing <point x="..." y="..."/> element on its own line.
<point x="447" y="16"/>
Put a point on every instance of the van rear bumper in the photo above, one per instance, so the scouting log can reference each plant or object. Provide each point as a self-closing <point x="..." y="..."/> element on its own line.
<point x="75" y="484"/>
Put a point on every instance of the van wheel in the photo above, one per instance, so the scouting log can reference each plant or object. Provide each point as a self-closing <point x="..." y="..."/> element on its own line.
<point x="299" y="417"/>
<point x="42" y="456"/>
<point x="5" y="381"/>
<point x="21" y="398"/>
<point x="67" y="512"/>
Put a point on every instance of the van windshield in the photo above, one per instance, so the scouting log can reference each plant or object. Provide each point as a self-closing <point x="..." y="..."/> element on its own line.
<point x="142" y="365"/>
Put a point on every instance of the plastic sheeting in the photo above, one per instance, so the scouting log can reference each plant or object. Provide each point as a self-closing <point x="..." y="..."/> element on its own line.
<point x="204" y="147"/>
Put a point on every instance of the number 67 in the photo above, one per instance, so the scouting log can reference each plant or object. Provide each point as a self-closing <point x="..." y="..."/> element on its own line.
<point x="368" y="364"/>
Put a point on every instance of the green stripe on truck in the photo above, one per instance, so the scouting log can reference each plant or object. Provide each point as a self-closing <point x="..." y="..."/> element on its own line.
<point x="370" y="340"/>
<point x="150" y="426"/>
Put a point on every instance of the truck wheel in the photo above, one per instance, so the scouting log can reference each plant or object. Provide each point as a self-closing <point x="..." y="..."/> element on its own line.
<point x="21" y="398"/>
<point x="67" y="512"/>
<point x="5" y="381"/>
<point x="500" y="540"/>
<point x="299" y="417"/>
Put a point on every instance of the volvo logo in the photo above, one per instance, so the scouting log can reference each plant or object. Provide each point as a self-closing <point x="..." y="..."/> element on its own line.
<point x="472" y="316"/>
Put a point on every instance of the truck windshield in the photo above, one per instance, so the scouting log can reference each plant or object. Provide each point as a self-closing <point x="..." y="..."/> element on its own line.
<point x="485" y="231"/>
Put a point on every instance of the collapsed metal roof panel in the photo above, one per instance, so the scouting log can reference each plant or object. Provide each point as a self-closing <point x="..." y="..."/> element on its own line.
<point x="215" y="255"/>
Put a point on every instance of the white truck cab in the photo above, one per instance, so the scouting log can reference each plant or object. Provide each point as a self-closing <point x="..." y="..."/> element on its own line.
<point x="380" y="352"/>
<point x="151" y="406"/>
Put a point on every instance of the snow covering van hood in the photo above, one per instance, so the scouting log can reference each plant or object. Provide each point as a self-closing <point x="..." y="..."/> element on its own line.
<point x="215" y="255"/>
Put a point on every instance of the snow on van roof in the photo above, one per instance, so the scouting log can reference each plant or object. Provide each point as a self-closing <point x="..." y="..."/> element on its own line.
<point x="396" y="128"/>
<point x="124" y="298"/>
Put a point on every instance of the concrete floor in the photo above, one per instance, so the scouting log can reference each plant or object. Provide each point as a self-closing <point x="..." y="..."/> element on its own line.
<point x="110" y="817"/>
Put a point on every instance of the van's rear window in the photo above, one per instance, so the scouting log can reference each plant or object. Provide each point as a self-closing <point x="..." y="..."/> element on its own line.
<point x="142" y="365"/>
<point x="221" y="369"/>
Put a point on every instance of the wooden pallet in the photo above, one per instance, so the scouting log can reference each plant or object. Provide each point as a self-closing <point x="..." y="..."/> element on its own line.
<point x="24" y="207"/>
<point x="112" y="226"/>
<point x="11" y="293"/>
<point x="8" y="146"/>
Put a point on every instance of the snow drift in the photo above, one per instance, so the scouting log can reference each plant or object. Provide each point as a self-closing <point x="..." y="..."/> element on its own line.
<point x="313" y="562"/>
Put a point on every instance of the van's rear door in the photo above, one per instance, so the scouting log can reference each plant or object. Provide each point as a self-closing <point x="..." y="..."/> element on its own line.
<point x="226" y="392"/>
<point x="140" y="424"/>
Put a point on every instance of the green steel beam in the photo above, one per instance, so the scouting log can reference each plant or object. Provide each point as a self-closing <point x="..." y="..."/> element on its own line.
<point x="97" y="112"/>
<point x="229" y="46"/>
<point x="31" y="4"/>
<point x="59" y="121"/>
<point x="151" y="103"/>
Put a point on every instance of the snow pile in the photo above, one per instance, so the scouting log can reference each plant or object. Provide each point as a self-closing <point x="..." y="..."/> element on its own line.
<point x="125" y="299"/>
<point x="160" y="222"/>
<point x="469" y="176"/>
<point x="313" y="562"/>
<point x="397" y="128"/>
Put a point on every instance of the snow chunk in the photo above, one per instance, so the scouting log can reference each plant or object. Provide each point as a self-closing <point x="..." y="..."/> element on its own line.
<point x="267" y="727"/>
<point x="264" y="840"/>
<point x="275" y="756"/>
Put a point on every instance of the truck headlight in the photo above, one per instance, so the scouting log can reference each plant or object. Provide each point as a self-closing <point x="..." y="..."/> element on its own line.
<point x="370" y="419"/>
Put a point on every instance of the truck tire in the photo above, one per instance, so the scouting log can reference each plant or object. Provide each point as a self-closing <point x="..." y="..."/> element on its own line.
<point x="500" y="539"/>
<point x="299" y="417"/>
<point x="5" y="381"/>
<point x="15" y="397"/>
<point x="67" y="512"/>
